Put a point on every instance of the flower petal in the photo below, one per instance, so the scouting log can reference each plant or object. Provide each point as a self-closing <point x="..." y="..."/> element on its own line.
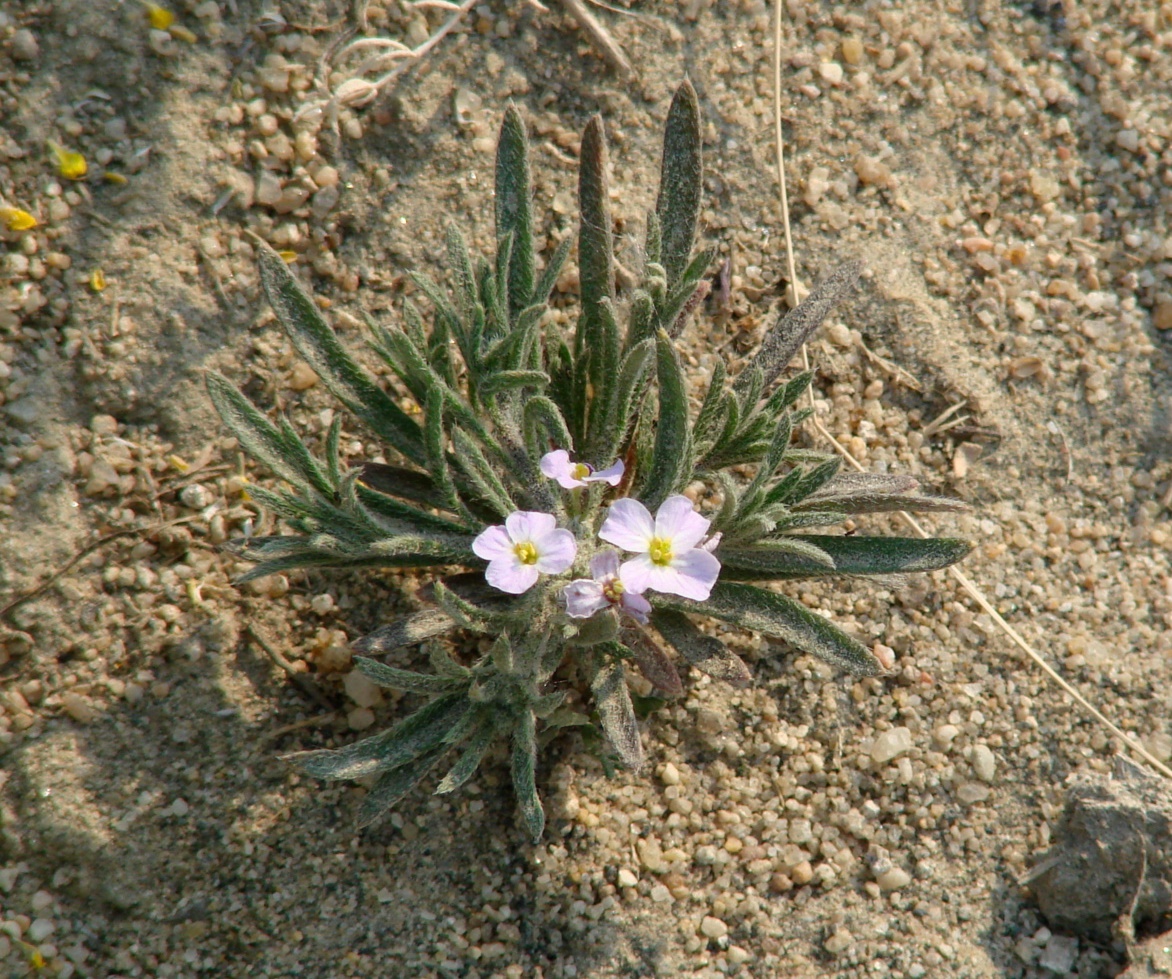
<point x="510" y="575"/>
<point x="528" y="525"/>
<point x="699" y="571"/>
<point x="492" y="543"/>
<point x="636" y="606"/>
<point x="629" y="525"/>
<point x="556" y="463"/>
<point x="637" y="573"/>
<point x="583" y="598"/>
<point x="604" y="564"/>
<point x="678" y="521"/>
<point x="613" y="475"/>
<point x="689" y="575"/>
<point x="556" y="550"/>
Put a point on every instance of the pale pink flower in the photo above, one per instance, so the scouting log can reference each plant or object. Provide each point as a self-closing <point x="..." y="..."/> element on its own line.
<point x="584" y="596"/>
<point x="571" y="475"/>
<point x="528" y="544"/>
<point x="668" y="558"/>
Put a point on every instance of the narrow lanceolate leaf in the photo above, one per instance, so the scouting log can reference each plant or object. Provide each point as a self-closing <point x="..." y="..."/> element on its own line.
<point x="470" y="615"/>
<point x="595" y="248"/>
<point x="406" y="741"/>
<point x="680" y="182"/>
<point x="860" y="555"/>
<point x="319" y="347"/>
<point x="786" y="337"/>
<point x="407" y="631"/>
<point x="655" y="665"/>
<point x="545" y="428"/>
<point x="333" y="454"/>
<point x="782" y="557"/>
<point x="480" y="474"/>
<point x="550" y="273"/>
<point x="514" y="207"/>
<point x="775" y="615"/>
<point x="389" y="507"/>
<point x="707" y="653"/>
<point x="440" y="548"/>
<point x="469" y="760"/>
<point x="260" y="438"/>
<point x="406" y="680"/>
<point x="672" y="457"/>
<point x="408" y="484"/>
<point x="392" y="786"/>
<point x="525" y="774"/>
<point x="616" y="713"/>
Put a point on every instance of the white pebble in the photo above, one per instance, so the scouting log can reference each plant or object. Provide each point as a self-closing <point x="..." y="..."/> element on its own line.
<point x="984" y="762"/>
<point x="39" y="930"/>
<point x="738" y="955"/>
<point x="660" y="894"/>
<point x="891" y="744"/>
<point x="196" y="496"/>
<point x="25" y="46"/>
<point x="627" y="878"/>
<point x="972" y="792"/>
<point x="830" y="72"/>
<point x="363" y="691"/>
<point x="839" y="942"/>
<point x="670" y="774"/>
<point x="712" y="927"/>
<point x="893" y="879"/>
<point x="944" y="735"/>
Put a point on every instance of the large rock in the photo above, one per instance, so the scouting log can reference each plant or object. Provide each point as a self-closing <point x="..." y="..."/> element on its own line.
<point x="1112" y="859"/>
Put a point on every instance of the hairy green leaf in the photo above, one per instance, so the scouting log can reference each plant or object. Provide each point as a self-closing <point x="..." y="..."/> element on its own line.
<point x="706" y="653"/>
<point x="612" y="700"/>
<point x="514" y="207"/>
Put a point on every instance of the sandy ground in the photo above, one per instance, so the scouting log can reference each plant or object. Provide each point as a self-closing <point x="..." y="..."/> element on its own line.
<point x="1003" y="169"/>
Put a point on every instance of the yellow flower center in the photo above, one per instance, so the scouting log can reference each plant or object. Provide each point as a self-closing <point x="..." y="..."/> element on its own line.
<point x="580" y="470"/>
<point x="526" y="552"/>
<point x="660" y="551"/>
<point x="613" y="590"/>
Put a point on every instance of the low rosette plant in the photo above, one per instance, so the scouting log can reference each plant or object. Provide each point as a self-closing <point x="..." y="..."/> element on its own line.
<point x="544" y="477"/>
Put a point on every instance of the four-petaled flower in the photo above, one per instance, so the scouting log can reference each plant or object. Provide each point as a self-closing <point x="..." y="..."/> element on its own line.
<point x="584" y="597"/>
<point x="571" y="475"/>
<point x="668" y="558"/>
<point x="528" y="543"/>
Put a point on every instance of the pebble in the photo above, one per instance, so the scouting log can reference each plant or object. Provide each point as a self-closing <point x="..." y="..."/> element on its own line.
<point x="944" y="735"/>
<point x="196" y="496"/>
<point x="360" y="718"/>
<point x="627" y="878"/>
<point x="737" y="955"/>
<point x="984" y="762"/>
<point x="972" y="792"/>
<point x="712" y="927"/>
<point x="830" y="72"/>
<point x="893" y="879"/>
<point x="39" y="930"/>
<point x="660" y="894"/>
<point x="80" y="709"/>
<point x="302" y="377"/>
<point x="1162" y="316"/>
<point x="25" y="46"/>
<point x="362" y="690"/>
<point x="670" y="774"/>
<point x="1059" y="955"/>
<point x="839" y="942"/>
<point x="650" y="854"/>
<point x="891" y="744"/>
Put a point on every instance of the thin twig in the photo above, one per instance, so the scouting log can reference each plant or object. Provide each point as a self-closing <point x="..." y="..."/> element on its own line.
<point x="84" y="552"/>
<point x="962" y="579"/>
<point x="607" y="45"/>
<point x="304" y="683"/>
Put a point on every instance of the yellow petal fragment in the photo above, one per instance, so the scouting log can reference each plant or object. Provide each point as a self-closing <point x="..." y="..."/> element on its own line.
<point x="70" y="165"/>
<point x="181" y="33"/>
<point x="114" y="178"/>
<point x="178" y="463"/>
<point x="97" y="280"/>
<point x="289" y="257"/>
<point x="160" y="17"/>
<point x="17" y="220"/>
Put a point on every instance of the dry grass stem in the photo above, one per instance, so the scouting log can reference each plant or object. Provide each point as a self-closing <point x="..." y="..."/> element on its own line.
<point x="962" y="579"/>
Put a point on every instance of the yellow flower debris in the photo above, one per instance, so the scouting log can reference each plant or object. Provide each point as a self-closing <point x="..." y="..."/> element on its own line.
<point x="160" y="17"/>
<point x="288" y="256"/>
<point x="70" y="164"/>
<point x="178" y="463"/>
<point x="97" y="280"/>
<point x="17" y="220"/>
<point x="114" y="178"/>
<point x="181" y="33"/>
